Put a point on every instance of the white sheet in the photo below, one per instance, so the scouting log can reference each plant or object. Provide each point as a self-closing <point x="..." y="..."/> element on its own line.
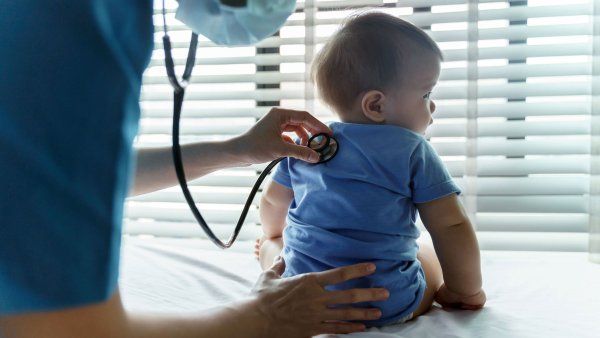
<point x="530" y="294"/>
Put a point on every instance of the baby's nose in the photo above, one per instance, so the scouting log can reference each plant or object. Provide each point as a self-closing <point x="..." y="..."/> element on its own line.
<point x="432" y="107"/>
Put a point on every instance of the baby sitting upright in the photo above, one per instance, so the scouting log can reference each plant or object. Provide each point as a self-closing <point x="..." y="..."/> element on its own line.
<point x="377" y="74"/>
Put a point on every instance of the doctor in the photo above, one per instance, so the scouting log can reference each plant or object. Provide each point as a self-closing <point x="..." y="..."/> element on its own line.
<point x="70" y="79"/>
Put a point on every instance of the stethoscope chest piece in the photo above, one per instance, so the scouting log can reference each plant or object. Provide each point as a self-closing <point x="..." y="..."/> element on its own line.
<point x="325" y="145"/>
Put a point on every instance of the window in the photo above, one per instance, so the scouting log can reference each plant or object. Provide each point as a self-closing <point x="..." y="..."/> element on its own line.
<point x="513" y="119"/>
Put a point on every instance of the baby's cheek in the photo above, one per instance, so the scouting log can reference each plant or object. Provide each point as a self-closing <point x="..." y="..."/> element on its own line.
<point x="424" y="118"/>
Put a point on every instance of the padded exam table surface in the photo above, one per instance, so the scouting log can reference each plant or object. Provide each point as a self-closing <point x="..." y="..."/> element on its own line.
<point x="530" y="294"/>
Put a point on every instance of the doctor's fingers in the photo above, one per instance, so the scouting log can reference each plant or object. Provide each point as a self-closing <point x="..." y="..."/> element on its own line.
<point x="300" y="118"/>
<point x="287" y="139"/>
<point x="355" y="296"/>
<point x="299" y="131"/>
<point x="344" y="273"/>
<point x="299" y="152"/>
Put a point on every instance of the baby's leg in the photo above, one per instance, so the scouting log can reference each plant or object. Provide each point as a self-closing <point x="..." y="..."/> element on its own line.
<point x="270" y="248"/>
<point x="433" y="275"/>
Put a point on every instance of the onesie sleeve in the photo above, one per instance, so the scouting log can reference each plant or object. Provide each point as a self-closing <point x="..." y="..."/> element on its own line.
<point x="429" y="178"/>
<point x="282" y="173"/>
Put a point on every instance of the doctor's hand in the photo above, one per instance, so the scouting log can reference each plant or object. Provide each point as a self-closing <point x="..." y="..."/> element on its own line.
<point x="299" y="306"/>
<point x="265" y="141"/>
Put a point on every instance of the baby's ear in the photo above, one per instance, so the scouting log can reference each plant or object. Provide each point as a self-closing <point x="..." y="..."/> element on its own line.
<point x="372" y="106"/>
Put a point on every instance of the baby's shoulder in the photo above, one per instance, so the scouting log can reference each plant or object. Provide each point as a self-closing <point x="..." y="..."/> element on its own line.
<point x="402" y="143"/>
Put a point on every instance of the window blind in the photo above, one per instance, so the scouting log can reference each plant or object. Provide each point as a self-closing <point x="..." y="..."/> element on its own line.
<point x="513" y="119"/>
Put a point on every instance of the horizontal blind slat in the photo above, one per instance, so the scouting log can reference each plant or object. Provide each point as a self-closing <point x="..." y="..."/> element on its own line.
<point x="533" y="241"/>
<point x="519" y="71"/>
<point x="218" y="196"/>
<point x="520" y="51"/>
<point x="189" y="230"/>
<point x="537" y="204"/>
<point x="532" y="222"/>
<point x="444" y="92"/>
<point x="512" y="129"/>
<point x="503" y="147"/>
<point x="429" y="18"/>
<point x="516" y="32"/>
<point x="515" y="109"/>
<point x="515" y="51"/>
<point x="513" y="71"/>
<point x="260" y="77"/>
<point x="180" y="212"/>
<point x="554" y="185"/>
<point x="512" y="13"/>
<point x="523" y="166"/>
<point x="259" y="60"/>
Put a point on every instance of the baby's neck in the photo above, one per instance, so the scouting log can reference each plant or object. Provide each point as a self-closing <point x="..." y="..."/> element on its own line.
<point x="355" y="117"/>
<point x="359" y="118"/>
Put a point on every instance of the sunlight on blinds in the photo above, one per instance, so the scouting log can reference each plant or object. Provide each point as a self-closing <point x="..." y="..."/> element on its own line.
<point x="512" y="121"/>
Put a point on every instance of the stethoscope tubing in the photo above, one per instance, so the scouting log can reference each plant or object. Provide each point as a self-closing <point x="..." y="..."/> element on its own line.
<point x="178" y="97"/>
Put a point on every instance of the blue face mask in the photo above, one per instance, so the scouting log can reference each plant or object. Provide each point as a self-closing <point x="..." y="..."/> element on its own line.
<point x="235" y="26"/>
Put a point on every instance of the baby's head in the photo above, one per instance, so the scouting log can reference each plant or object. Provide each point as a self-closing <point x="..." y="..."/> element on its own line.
<point x="379" y="69"/>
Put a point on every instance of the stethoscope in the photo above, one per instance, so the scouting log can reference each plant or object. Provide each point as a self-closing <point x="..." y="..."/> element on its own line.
<point x="324" y="144"/>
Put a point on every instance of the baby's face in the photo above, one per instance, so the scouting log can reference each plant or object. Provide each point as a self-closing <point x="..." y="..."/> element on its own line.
<point x="410" y="105"/>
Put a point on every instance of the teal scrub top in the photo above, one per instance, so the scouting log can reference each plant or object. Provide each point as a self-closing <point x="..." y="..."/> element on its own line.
<point x="70" y="79"/>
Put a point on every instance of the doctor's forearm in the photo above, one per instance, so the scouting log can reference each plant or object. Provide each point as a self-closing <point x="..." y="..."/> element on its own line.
<point x="110" y="319"/>
<point x="232" y="320"/>
<point x="155" y="170"/>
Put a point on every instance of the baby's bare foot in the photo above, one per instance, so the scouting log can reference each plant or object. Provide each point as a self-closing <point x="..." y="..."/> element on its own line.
<point x="257" y="244"/>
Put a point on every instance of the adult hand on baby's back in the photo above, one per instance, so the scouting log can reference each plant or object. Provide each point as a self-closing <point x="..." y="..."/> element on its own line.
<point x="448" y="298"/>
<point x="300" y="306"/>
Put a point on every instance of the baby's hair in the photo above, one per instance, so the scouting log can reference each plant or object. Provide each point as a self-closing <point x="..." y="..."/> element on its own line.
<point x="367" y="53"/>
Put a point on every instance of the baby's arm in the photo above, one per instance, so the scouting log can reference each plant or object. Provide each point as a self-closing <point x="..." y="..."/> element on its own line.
<point x="457" y="249"/>
<point x="274" y="204"/>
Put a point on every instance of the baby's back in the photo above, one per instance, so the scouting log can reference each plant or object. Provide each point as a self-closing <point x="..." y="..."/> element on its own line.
<point x="360" y="207"/>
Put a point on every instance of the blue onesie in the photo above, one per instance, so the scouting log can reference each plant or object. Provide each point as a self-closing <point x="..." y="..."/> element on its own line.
<point x="360" y="206"/>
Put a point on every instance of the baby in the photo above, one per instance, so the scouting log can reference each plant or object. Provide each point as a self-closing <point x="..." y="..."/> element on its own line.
<point x="377" y="74"/>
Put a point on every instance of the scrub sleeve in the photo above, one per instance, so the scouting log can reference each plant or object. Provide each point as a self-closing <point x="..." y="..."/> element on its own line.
<point x="70" y="79"/>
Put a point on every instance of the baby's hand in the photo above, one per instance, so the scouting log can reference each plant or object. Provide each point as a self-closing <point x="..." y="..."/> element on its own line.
<point x="447" y="298"/>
